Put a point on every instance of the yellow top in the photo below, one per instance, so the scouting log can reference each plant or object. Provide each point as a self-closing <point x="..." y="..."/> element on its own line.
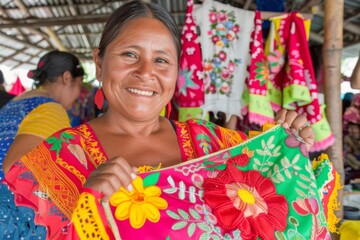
<point x="45" y="120"/>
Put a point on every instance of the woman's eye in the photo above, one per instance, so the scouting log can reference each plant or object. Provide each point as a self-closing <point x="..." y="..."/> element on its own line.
<point x="128" y="54"/>
<point x="161" y="60"/>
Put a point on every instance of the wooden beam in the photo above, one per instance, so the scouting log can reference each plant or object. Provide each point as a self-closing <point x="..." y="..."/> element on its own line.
<point x="332" y="53"/>
<point x="54" y="21"/>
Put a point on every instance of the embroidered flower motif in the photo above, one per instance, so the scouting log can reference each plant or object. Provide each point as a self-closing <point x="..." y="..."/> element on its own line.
<point x="139" y="204"/>
<point x="246" y="201"/>
<point x="311" y="206"/>
<point x="223" y="32"/>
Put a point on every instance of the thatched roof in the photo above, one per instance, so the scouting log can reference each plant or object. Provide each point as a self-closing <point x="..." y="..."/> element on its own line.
<point x="29" y="28"/>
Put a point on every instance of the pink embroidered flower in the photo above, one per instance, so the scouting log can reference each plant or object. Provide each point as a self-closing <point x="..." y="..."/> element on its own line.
<point x="212" y="17"/>
<point x="225" y="74"/>
<point x="231" y="67"/>
<point x="215" y="39"/>
<point x="225" y="88"/>
<point x="222" y="17"/>
<point x="236" y="28"/>
<point x="222" y="55"/>
<point x="246" y="201"/>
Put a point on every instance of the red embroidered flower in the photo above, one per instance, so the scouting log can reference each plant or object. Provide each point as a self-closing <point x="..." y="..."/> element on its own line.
<point x="246" y="201"/>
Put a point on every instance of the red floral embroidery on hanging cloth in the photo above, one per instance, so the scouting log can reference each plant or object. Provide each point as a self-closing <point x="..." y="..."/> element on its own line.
<point x="246" y="201"/>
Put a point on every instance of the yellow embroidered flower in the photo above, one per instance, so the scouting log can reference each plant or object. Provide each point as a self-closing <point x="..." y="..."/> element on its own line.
<point x="139" y="204"/>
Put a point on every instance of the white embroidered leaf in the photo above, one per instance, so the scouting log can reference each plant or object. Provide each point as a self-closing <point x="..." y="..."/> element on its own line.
<point x="172" y="214"/>
<point x="192" y="194"/>
<point x="301" y="193"/>
<point x="183" y="214"/>
<point x="260" y="152"/>
<point x="194" y="214"/>
<point x="280" y="177"/>
<point x="181" y="193"/>
<point x="270" y="142"/>
<point x="285" y="162"/>
<point x="171" y="181"/>
<point x="297" y="168"/>
<point x="255" y="167"/>
<point x="276" y="151"/>
<point x="214" y="237"/>
<point x="191" y="229"/>
<point x="303" y="177"/>
<point x="295" y="159"/>
<point x="203" y="226"/>
<point x="179" y="225"/>
<point x="288" y="174"/>
<point x="170" y="190"/>
<point x="204" y="236"/>
<point x="301" y="184"/>
<point x="257" y="161"/>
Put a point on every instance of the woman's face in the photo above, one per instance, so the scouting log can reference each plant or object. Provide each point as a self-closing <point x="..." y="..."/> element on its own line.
<point x="139" y="69"/>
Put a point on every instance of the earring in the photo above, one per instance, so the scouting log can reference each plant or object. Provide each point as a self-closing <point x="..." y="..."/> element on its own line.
<point x="99" y="97"/>
<point x="168" y="110"/>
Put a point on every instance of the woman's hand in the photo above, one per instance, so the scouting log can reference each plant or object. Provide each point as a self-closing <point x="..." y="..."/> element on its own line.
<point x="110" y="176"/>
<point x="294" y="122"/>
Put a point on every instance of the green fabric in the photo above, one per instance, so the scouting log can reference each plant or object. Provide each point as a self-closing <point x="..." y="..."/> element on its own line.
<point x="186" y="113"/>
<point x="321" y="128"/>
<point x="298" y="94"/>
<point x="275" y="94"/>
<point x="260" y="104"/>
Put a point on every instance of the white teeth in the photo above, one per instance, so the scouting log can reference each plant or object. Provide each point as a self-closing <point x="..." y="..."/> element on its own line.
<point x="140" y="92"/>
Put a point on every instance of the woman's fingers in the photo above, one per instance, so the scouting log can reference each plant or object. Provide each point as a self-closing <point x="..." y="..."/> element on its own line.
<point x="109" y="177"/>
<point x="308" y="135"/>
<point x="298" y="123"/>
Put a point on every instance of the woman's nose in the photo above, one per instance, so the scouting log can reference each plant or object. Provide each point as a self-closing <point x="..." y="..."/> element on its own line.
<point x="145" y="70"/>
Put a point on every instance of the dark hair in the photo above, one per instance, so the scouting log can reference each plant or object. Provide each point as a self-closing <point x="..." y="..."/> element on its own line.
<point x="2" y="80"/>
<point x="132" y="10"/>
<point x="54" y="64"/>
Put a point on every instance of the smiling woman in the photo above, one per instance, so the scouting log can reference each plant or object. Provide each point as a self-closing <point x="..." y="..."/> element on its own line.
<point x="137" y="63"/>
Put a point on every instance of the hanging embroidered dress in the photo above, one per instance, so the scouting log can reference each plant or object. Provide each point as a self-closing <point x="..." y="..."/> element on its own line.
<point x="292" y="82"/>
<point x="225" y="35"/>
<point x="256" y="98"/>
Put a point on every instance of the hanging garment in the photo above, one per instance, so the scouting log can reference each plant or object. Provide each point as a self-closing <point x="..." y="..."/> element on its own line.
<point x="263" y="188"/>
<point x="225" y="40"/>
<point x="292" y="81"/>
<point x="189" y="89"/>
<point x="256" y="98"/>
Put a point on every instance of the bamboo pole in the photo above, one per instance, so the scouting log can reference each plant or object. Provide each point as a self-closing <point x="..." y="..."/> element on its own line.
<point x="332" y="51"/>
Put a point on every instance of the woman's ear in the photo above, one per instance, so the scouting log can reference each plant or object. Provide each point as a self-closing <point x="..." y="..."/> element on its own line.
<point x="97" y="61"/>
<point x="67" y="78"/>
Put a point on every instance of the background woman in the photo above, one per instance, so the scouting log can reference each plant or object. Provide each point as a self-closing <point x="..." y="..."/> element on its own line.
<point x="26" y="121"/>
